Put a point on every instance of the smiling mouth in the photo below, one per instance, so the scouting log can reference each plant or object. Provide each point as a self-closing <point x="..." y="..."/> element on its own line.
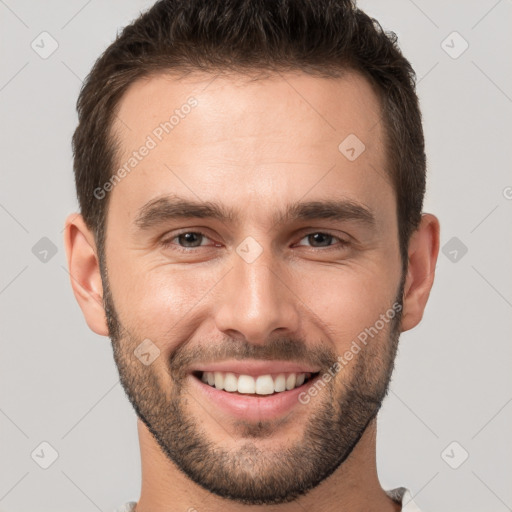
<point x="255" y="385"/>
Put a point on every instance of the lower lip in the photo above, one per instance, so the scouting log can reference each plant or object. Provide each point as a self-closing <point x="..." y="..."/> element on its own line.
<point x="249" y="407"/>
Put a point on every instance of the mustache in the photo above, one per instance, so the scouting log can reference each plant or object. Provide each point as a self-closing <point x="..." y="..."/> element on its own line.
<point x="185" y="357"/>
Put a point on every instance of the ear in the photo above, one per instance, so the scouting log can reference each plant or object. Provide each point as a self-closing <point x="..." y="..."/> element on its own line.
<point x="423" y="251"/>
<point x="84" y="270"/>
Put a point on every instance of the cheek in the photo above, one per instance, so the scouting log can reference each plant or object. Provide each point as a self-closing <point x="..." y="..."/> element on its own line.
<point x="346" y="299"/>
<point x="161" y="302"/>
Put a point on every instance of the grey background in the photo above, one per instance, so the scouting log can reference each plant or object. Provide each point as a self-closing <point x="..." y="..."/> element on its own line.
<point x="452" y="383"/>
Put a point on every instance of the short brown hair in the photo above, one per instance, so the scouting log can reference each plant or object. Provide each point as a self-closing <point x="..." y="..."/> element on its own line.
<point x="321" y="37"/>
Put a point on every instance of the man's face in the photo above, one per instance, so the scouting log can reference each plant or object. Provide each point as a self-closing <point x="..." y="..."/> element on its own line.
<point x="295" y="292"/>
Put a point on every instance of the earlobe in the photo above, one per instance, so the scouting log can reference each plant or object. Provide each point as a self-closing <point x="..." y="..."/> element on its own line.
<point x="84" y="270"/>
<point x="423" y="251"/>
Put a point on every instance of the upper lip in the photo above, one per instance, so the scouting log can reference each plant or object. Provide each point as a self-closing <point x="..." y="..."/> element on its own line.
<point x="253" y="367"/>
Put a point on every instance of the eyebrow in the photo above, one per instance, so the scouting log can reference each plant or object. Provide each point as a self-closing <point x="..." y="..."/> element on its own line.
<point x="168" y="208"/>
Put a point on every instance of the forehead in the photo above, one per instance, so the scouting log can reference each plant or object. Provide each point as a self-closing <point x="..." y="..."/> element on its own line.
<point x="231" y="138"/>
<point x="332" y="107"/>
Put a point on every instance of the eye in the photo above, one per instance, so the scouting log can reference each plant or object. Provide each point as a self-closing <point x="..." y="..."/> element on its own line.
<point x="324" y="240"/>
<point x="185" y="240"/>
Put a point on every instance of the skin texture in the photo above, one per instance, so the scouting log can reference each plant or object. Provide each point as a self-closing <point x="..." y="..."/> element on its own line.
<point x="253" y="146"/>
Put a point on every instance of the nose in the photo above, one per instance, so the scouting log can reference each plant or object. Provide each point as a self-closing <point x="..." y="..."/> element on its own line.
<point x="257" y="299"/>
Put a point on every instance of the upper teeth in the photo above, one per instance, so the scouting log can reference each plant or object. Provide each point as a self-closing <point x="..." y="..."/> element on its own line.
<point x="261" y="385"/>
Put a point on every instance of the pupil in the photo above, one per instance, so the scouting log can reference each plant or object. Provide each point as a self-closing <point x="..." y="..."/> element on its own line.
<point x="189" y="238"/>
<point x="321" y="235"/>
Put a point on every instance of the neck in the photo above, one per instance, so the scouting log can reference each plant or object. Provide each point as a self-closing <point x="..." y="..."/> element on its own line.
<point x="353" y="487"/>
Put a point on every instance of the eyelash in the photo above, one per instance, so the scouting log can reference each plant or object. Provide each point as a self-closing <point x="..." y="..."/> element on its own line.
<point x="169" y="242"/>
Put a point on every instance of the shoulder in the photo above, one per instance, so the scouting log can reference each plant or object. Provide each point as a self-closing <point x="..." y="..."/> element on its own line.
<point x="403" y="496"/>
<point x="127" y="507"/>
